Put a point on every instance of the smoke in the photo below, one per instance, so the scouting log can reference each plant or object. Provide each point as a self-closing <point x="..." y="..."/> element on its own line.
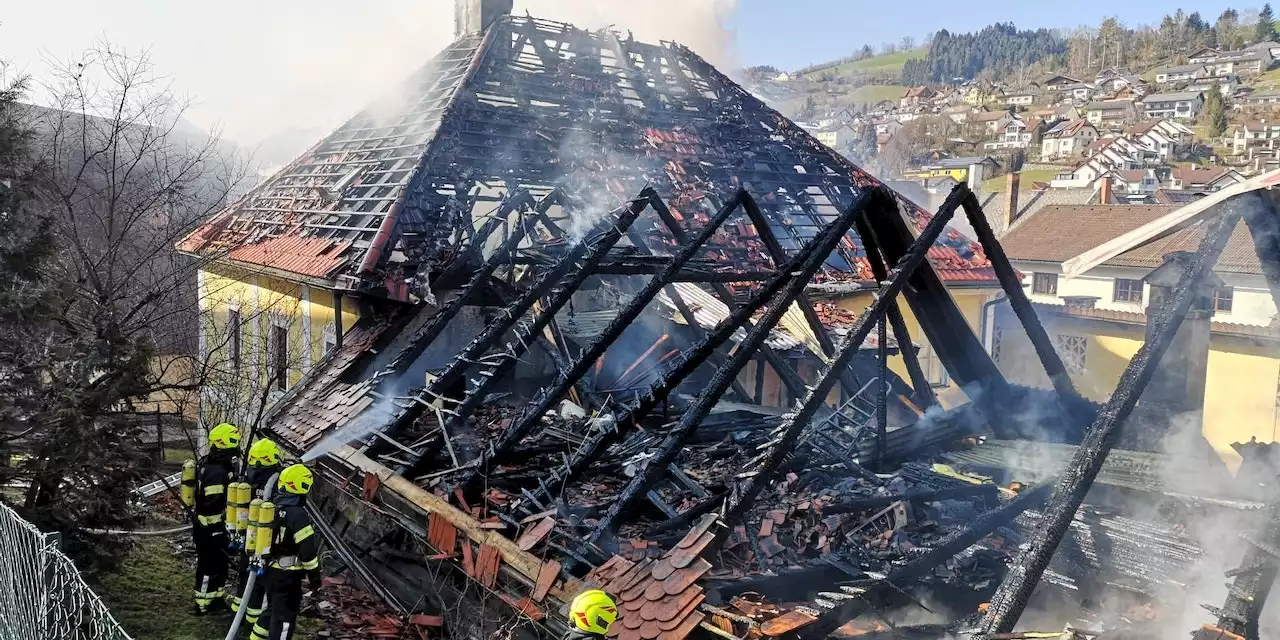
<point x="371" y="421"/>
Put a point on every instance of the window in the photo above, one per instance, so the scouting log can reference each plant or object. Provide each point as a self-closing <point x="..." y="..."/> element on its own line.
<point x="1127" y="291"/>
<point x="233" y="338"/>
<point x="330" y="338"/>
<point x="1046" y="283"/>
<point x="1222" y="299"/>
<point x="280" y="357"/>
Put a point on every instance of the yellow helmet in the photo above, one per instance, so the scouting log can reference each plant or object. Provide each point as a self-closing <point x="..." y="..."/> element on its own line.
<point x="224" y="436"/>
<point x="593" y="611"/>
<point x="264" y="453"/>
<point x="296" y="479"/>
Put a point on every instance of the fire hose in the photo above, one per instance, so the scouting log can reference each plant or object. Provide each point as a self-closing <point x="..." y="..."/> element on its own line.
<point x="255" y="522"/>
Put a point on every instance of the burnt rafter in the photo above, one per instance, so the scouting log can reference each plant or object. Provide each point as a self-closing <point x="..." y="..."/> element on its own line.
<point x="505" y="320"/>
<point x="656" y="467"/>
<point x="526" y="333"/>
<point x="788" y="432"/>
<point x="529" y="417"/>
<point x="1015" y="592"/>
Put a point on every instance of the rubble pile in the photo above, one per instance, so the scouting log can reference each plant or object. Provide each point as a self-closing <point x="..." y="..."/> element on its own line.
<point x="350" y="613"/>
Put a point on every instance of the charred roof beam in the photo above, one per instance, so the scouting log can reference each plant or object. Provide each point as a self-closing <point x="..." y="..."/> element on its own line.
<point x="531" y="415"/>
<point x="1015" y="592"/>
<point x="656" y="466"/>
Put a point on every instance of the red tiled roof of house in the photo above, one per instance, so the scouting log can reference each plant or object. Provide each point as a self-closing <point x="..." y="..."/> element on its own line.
<point x="1195" y="175"/>
<point x="314" y="257"/>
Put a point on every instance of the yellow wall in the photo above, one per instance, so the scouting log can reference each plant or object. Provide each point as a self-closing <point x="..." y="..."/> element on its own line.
<point x="264" y="302"/>
<point x="959" y="175"/>
<point x="1240" y="386"/>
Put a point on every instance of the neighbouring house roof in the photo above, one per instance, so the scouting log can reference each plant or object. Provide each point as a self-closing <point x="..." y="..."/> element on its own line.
<point x="1258" y="125"/>
<point x="1138" y="318"/>
<point x="996" y="203"/>
<point x="394" y="191"/>
<point x="963" y="162"/>
<point x="1183" y="68"/>
<point x="1193" y="175"/>
<point x="1135" y="175"/>
<point x="1140" y="128"/>
<point x="1263" y="95"/>
<point x="990" y="116"/>
<point x="1110" y="105"/>
<point x="918" y="92"/>
<point x="1178" y="96"/>
<point x="1176" y="196"/>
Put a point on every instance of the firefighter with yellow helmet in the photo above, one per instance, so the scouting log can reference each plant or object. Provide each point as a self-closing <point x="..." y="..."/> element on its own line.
<point x="208" y="494"/>
<point x="591" y="614"/>
<point x="264" y="464"/>
<point x="294" y="555"/>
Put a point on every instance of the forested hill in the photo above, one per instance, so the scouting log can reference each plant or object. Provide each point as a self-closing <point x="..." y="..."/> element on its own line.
<point x="999" y="49"/>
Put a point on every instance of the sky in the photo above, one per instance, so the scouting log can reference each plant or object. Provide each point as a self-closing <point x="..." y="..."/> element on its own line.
<point x="257" y="69"/>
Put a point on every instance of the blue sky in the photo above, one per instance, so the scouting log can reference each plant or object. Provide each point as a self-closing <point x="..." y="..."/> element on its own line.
<point x="793" y="33"/>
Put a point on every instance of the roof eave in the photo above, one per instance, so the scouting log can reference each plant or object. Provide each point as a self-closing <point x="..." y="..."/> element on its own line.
<point x="311" y="281"/>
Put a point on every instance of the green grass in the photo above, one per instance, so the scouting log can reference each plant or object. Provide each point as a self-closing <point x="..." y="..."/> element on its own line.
<point x="1268" y="80"/>
<point x="873" y="93"/>
<point x="891" y="63"/>
<point x="1029" y="176"/>
<point x="151" y="596"/>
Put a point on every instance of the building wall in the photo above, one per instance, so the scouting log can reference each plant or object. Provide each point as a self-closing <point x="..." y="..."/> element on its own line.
<point x="1240" y="388"/>
<point x="264" y="303"/>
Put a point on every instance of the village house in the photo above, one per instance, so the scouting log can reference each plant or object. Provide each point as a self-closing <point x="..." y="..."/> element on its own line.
<point x="1260" y="98"/>
<point x="989" y="122"/>
<point x="958" y="169"/>
<point x="1113" y="80"/>
<point x="980" y="93"/>
<point x="1079" y="92"/>
<point x="835" y="134"/>
<point x="1183" y="105"/>
<point x="1133" y="182"/>
<point x="1060" y="113"/>
<point x="1110" y="113"/>
<point x="1182" y="73"/>
<point x="1022" y="97"/>
<point x="1059" y="83"/>
<point x="1165" y="137"/>
<point x="1203" y="180"/>
<point x="1204" y="56"/>
<point x="1067" y="139"/>
<point x="1016" y="134"/>
<point x="1226" y="85"/>
<point x="1104" y="155"/>
<point x="1245" y="63"/>
<point x="958" y="113"/>
<point x="914" y="96"/>
<point x="1255" y="134"/>
<point x="1270" y="47"/>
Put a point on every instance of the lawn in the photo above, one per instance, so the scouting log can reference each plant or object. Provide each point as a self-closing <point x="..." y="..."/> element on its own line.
<point x="1024" y="182"/>
<point x="891" y="63"/>
<point x="1268" y="80"/>
<point x="873" y="93"/>
<point x="151" y="595"/>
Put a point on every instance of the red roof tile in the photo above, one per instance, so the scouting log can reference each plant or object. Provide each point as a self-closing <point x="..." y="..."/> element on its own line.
<point x="315" y="257"/>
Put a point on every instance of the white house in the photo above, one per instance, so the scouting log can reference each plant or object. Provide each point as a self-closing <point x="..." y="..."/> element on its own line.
<point x="1059" y="83"/>
<point x="1261" y="98"/>
<point x="1015" y="134"/>
<point x="1184" y="104"/>
<point x="1166" y="137"/>
<point x="1242" y="62"/>
<point x="1182" y="73"/>
<point x="1022" y="97"/>
<point x="1134" y="181"/>
<point x="834" y="135"/>
<point x="1206" y="180"/>
<point x="1225" y="85"/>
<point x="1255" y="134"/>
<point x="990" y="121"/>
<point x="1067" y="139"/>
<point x="1080" y="92"/>
<point x="1204" y="56"/>
<point x="1109" y="112"/>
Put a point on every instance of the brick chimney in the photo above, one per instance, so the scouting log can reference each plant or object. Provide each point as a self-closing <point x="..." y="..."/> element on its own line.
<point x="1104" y="190"/>
<point x="472" y="17"/>
<point x="1011" y="199"/>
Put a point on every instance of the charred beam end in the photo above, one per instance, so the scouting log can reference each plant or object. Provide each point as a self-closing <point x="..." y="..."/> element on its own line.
<point x="882" y="392"/>
<point x="707" y="399"/>
<point x="1011" y="598"/>
<point x="1012" y="286"/>
<point x="958" y="541"/>
<point x="532" y="414"/>
<point x="792" y="425"/>
<point x="906" y="346"/>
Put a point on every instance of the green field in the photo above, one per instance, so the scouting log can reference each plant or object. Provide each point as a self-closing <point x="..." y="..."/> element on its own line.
<point x="891" y="63"/>
<point x="873" y="93"/>
<point x="1024" y="182"/>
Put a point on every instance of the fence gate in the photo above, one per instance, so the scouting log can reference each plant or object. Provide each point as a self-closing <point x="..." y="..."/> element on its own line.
<point x="42" y="596"/>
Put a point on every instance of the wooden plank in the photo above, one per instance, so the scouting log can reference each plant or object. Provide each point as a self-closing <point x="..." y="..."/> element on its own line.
<point x="522" y="562"/>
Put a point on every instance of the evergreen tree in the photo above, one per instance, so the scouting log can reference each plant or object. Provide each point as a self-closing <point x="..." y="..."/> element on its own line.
<point x="1227" y="29"/>
<point x="1214" y="114"/>
<point x="1265" y="29"/>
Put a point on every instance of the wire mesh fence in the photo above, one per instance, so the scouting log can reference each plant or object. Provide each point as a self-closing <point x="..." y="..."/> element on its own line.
<point x="42" y="596"/>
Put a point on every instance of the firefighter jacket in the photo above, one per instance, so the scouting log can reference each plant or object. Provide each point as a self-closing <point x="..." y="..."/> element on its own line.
<point x="212" y="478"/>
<point x="295" y="546"/>
<point x="258" y="477"/>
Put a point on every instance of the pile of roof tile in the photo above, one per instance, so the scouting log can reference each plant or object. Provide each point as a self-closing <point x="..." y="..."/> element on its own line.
<point x="349" y="613"/>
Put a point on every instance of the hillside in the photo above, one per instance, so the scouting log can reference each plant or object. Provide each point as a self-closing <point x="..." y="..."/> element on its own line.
<point x="889" y="63"/>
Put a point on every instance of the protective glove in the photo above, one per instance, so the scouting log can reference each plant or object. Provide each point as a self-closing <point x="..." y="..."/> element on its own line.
<point x="315" y="580"/>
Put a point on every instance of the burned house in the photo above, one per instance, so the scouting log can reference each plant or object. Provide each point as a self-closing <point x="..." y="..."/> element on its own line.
<point x="573" y="265"/>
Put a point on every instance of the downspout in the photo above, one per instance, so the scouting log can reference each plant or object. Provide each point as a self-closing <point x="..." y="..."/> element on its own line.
<point x="374" y="254"/>
<point x="988" y="325"/>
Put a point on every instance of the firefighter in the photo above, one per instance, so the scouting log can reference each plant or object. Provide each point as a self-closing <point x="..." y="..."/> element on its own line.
<point x="209" y="532"/>
<point x="295" y="554"/>
<point x="264" y="463"/>
<point x="590" y="614"/>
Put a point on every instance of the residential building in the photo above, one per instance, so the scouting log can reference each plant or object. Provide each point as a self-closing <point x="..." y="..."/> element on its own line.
<point x="1255" y="134"/>
<point x="1166" y="138"/>
<point x="1204" y="180"/>
<point x="958" y="113"/>
<point x="1204" y="56"/>
<point x="1097" y="320"/>
<point x="1119" y="82"/>
<point x="1022" y="97"/>
<point x="1183" y="105"/>
<point x="956" y="168"/>
<point x="1010" y="202"/>
<point x="979" y="94"/>
<point x="1079" y="92"/>
<point x="1245" y="63"/>
<point x="916" y="95"/>
<point x="989" y="122"/>
<point x="1015" y="134"/>
<point x="1105" y="155"/>
<point x="1067" y="139"/>
<point x="1182" y="73"/>
<point x="1226" y="85"/>
<point x="1134" y="182"/>
<point x="1260" y="98"/>
<point x="835" y="135"/>
<point x="1059" y="83"/>
<point x="1110" y="112"/>
<point x="1270" y="47"/>
<point x="1060" y="113"/>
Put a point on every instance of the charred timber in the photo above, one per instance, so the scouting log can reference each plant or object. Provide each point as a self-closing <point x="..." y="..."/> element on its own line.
<point x="655" y="469"/>
<point x="531" y="415"/>
<point x="1012" y="286"/>
<point x="788" y="432"/>
<point x="1015" y="592"/>
<point x="527" y="333"/>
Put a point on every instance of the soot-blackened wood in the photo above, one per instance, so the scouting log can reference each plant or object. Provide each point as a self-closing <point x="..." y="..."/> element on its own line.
<point x="530" y="416"/>
<point x="882" y="391"/>
<point x="906" y="346"/>
<point x="1015" y="592"/>
<point x="656" y="466"/>
<point x="1012" y="286"/>
<point x="788" y="432"/>
<point x="527" y="333"/>
<point x="939" y="552"/>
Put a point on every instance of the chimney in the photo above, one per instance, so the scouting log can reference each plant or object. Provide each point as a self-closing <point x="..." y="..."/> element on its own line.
<point x="1011" y="199"/>
<point x="977" y="173"/>
<point x="1104" y="190"/>
<point x="473" y="17"/>
<point x="1174" y="398"/>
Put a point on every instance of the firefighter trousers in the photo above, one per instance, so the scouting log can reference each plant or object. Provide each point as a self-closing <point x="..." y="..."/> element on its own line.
<point x="212" y="564"/>
<point x="284" y="599"/>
